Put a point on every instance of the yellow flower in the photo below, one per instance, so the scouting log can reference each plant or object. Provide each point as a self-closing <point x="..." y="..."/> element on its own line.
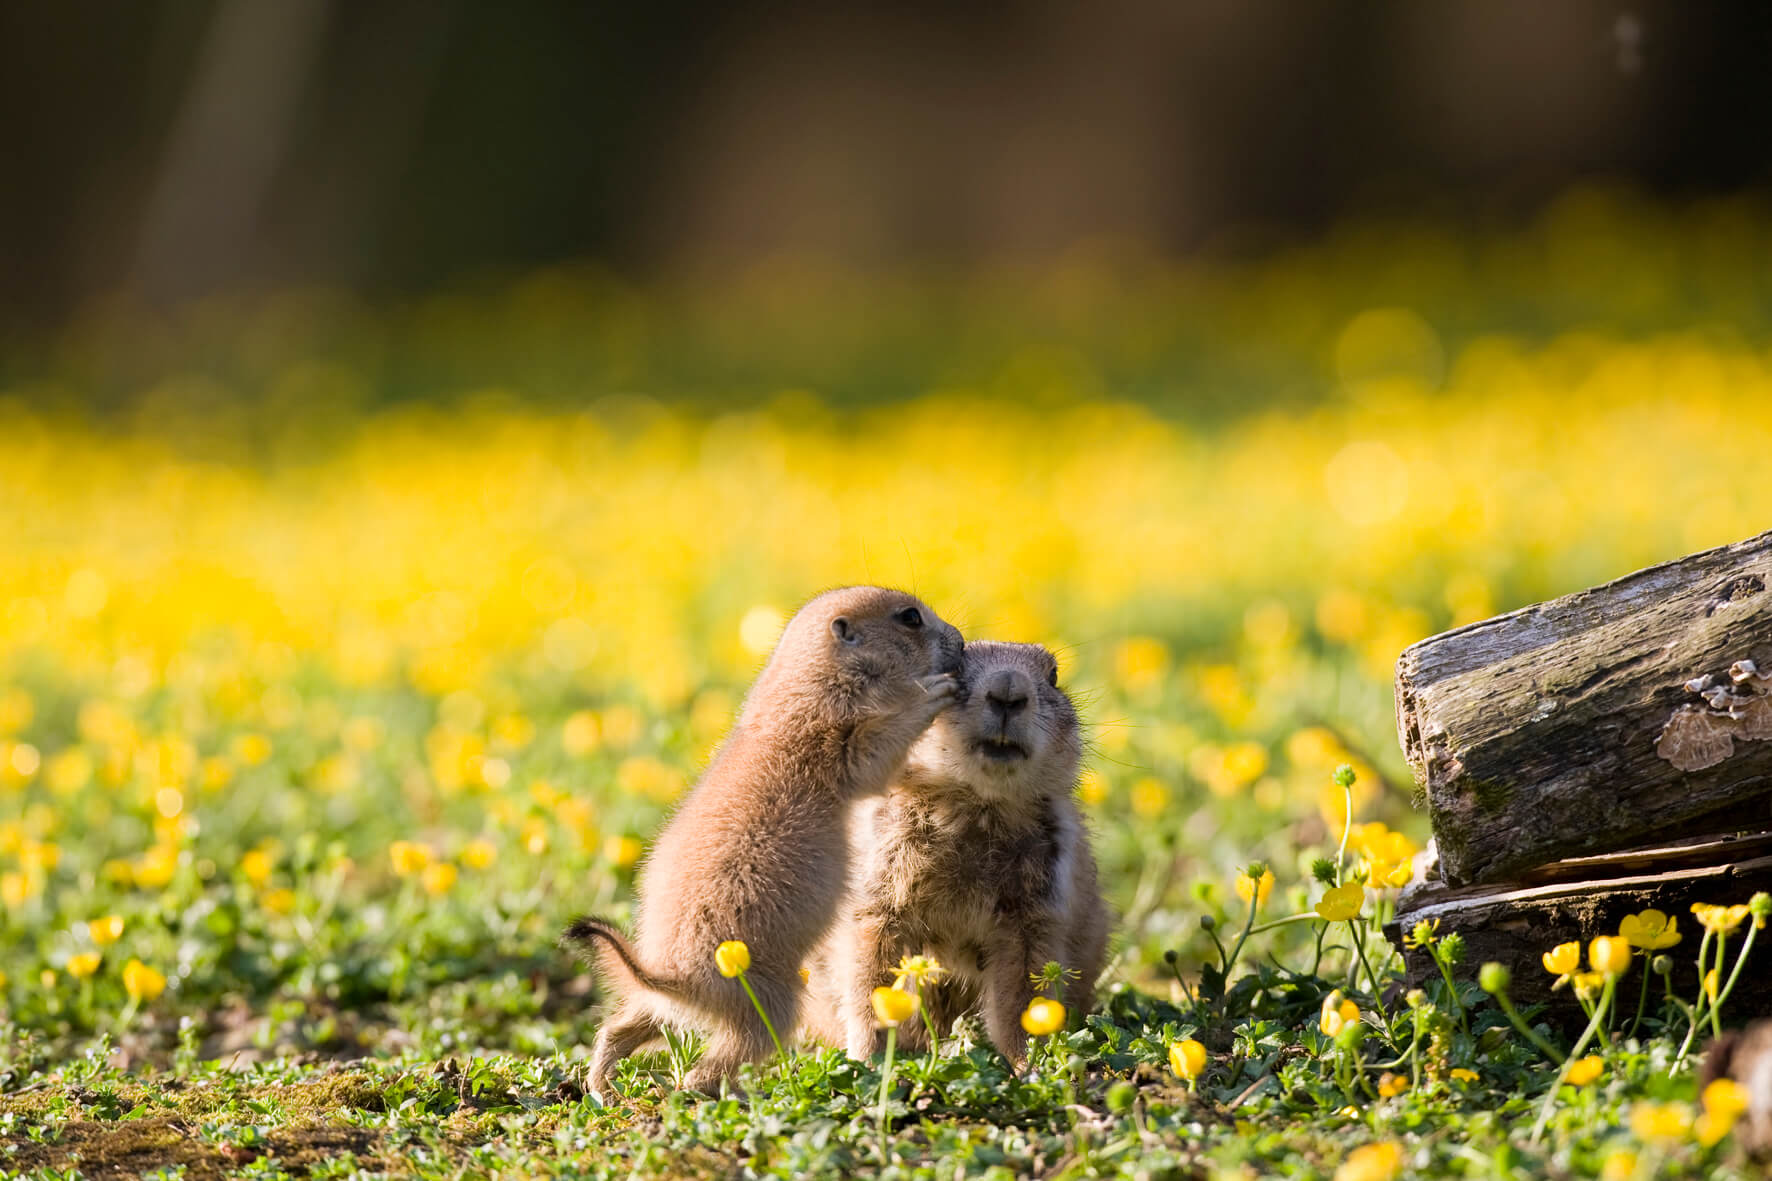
<point x="437" y="878"/>
<point x="1391" y="1085"/>
<point x="105" y="931"/>
<point x="1660" y="1121"/>
<point x="1724" y="1100"/>
<point x="409" y="857"/>
<point x="155" y="867"/>
<point x="1588" y="984"/>
<point x="1043" y="1016"/>
<point x="252" y="749"/>
<point x="141" y="982"/>
<point x="15" y="889"/>
<point x="1709" y="984"/>
<point x="732" y="957"/>
<point x="1341" y="902"/>
<point x="1372" y="1162"/>
<point x="1563" y="959"/>
<point x="1149" y="798"/>
<point x="1583" y="1071"/>
<point x="1650" y="930"/>
<point x="1465" y="1076"/>
<point x="479" y="853"/>
<point x="1620" y="1165"/>
<point x="279" y="901"/>
<point x="83" y="965"/>
<point x="893" y="1005"/>
<point x="1187" y="1058"/>
<point x="1725" y="1097"/>
<point x="623" y="851"/>
<point x="1247" y="886"/>
<point x="1609" y="955"/>
<point x="256" y="865"/>
<point x="1337" y="1014"/>
<point x="1720" y="920"/>
<point x="914" y="970"/>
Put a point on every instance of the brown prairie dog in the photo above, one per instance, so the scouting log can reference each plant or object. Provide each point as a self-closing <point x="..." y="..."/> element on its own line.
<point x="976" y="855"/>
<point x="757" y="852"/>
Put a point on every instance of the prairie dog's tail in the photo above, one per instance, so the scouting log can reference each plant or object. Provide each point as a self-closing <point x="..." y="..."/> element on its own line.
<point x="616" y="957"/>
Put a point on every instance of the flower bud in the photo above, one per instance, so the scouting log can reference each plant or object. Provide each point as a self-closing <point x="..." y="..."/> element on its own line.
<point x="1207" y="922"/>
<point x="1494" y="978"/>
<point x="1121" y="1096"/>
<point x="1661" y="965"/>
<point x="1760" y="906"/>
<point x="1344" y="776"/>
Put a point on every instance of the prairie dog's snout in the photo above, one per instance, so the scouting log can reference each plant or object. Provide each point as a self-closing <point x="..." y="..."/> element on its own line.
<point x="1011" y="718"/>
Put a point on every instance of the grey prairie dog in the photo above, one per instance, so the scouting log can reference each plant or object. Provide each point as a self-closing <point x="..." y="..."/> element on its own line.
<point x="757" y="850"/>
<point x="977" y="855"/>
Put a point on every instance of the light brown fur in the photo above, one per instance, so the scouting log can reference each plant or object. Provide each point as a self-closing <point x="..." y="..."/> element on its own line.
<point x="977" y="855"/>
<point x="756" y="852"/>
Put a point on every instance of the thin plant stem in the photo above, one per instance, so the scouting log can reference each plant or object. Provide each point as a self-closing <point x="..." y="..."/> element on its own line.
<point x="1642" y="1000"/>
<point x="886" y="1088"/>
<point x="1307" y="916"/>
<point x="1716" y="1002"/>
<point x="1526" y="1031"/>
<point x="1248" y="925"/>
<point x="1740" y="959"/>
<point x="1587" y="1035"/>
<point x="745" y="980"/>
<point x="1433" y="952"/>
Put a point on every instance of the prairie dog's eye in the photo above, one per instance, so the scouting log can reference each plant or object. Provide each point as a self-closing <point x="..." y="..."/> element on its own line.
<point x="1052" y="677"/>
<point x="910" y="617"/>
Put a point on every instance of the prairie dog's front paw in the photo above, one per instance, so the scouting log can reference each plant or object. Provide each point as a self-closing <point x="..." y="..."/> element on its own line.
<point x="942" y="687"/>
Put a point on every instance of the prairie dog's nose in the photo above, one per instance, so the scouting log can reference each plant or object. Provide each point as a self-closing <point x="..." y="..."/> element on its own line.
<point x="1007" y="691"/>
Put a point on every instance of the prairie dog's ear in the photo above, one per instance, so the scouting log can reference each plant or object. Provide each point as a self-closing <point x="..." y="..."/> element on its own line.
<point x="845" y="631"/>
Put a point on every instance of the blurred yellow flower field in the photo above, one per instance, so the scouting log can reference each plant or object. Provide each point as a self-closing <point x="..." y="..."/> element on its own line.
<point x="330" y="671"/>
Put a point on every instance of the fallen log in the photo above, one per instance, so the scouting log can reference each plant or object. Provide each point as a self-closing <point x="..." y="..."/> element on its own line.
<point x="1515" y="923"/>
<point x="1633" y="711"/>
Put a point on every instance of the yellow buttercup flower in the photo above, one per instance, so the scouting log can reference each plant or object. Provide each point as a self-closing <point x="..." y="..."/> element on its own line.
<point x="141" y="982"/>
<point x="1609" y="955"/>
<point x="1724" y="1097"/>
<point x="409" y="857"/>
<point x="1620" y="1165"/>
<point x="1583" y="1071"/>
<point x="256" y="866"/>
<point x="1372" y="1162"/>
<point x="1391" y="1085"/>
<point x="1660" y="1121"/>
<point x="914" y="970"/>
<point x="1187" y="1058"/>
<point x="1337" y="1014"/>
<point x="82" y="965"/>
<point x="1464" y="1075"/>
<point x="105" y="931"/>
<point x="1341" y="902"/>
<point x="479" y="853"/>
<point x="437" y="879"/>
<point x="1043" y="1016"/>
<point x="1720" y="920"/>
<point x="893" y="1005"/>
<point x="279" y="901"/>
<point x="732" y="957"/>
<point x="1260" y="889"/>
<point x="623" y="851"/>
<point x="1650" y="930"/>
<point x="1562" y="959"/>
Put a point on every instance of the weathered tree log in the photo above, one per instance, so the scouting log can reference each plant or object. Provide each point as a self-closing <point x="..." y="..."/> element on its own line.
<point x="1515" y="924"/>
<point x="1635" y="710"/>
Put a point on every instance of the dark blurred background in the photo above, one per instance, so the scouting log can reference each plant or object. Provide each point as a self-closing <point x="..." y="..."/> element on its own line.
<point x="172" y="148"/>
